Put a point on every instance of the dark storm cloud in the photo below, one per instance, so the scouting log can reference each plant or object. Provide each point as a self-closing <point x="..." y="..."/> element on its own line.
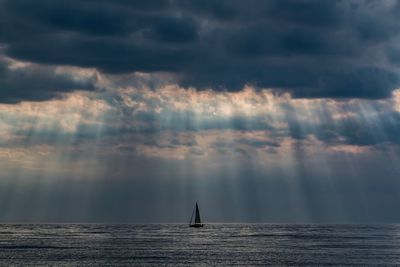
<point x="36" y="83"/>
<point x="310" y="48"/>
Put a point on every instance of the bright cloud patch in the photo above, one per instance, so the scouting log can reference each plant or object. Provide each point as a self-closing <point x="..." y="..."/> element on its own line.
<point x="172" y="122"/>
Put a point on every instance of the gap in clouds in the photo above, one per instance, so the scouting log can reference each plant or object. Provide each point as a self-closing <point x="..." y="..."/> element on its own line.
<point x="168" y="121"/>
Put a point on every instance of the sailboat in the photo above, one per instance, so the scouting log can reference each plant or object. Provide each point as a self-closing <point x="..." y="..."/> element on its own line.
<point x="197" y="220"/>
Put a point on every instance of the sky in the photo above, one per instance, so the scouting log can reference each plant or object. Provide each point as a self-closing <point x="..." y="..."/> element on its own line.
<point x="262" y="111"/>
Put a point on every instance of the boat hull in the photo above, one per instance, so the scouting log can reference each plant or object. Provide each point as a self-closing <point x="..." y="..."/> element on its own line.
<point x="196" y="225"/>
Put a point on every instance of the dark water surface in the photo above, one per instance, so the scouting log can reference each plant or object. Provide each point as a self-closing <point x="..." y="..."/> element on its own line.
<point x="215" y="245"/>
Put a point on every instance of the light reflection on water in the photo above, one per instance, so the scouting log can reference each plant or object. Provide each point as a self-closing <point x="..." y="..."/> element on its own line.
<point x="215" y="244"/>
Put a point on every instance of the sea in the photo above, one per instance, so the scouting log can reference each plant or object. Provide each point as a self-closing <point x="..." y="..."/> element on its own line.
<point x="212" y="245"/>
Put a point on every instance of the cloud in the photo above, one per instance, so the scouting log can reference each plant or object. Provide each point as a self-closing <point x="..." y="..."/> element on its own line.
<point x="30" y="82"/>
<point x="173" y="122"/>
<point x="333" y="49"/>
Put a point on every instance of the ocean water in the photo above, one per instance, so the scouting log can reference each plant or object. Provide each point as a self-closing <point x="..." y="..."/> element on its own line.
<point x="213" y="245"/>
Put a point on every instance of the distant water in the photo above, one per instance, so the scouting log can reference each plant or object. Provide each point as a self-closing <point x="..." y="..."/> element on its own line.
<point x="215" y="245"/>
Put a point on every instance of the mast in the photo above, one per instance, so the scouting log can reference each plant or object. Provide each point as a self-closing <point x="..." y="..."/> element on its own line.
<point x="197" y="217"/>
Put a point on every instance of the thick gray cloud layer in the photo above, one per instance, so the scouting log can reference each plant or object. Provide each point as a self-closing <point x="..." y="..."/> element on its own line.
<point x="339" y="49"/>
<point x="36" y="83"/>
